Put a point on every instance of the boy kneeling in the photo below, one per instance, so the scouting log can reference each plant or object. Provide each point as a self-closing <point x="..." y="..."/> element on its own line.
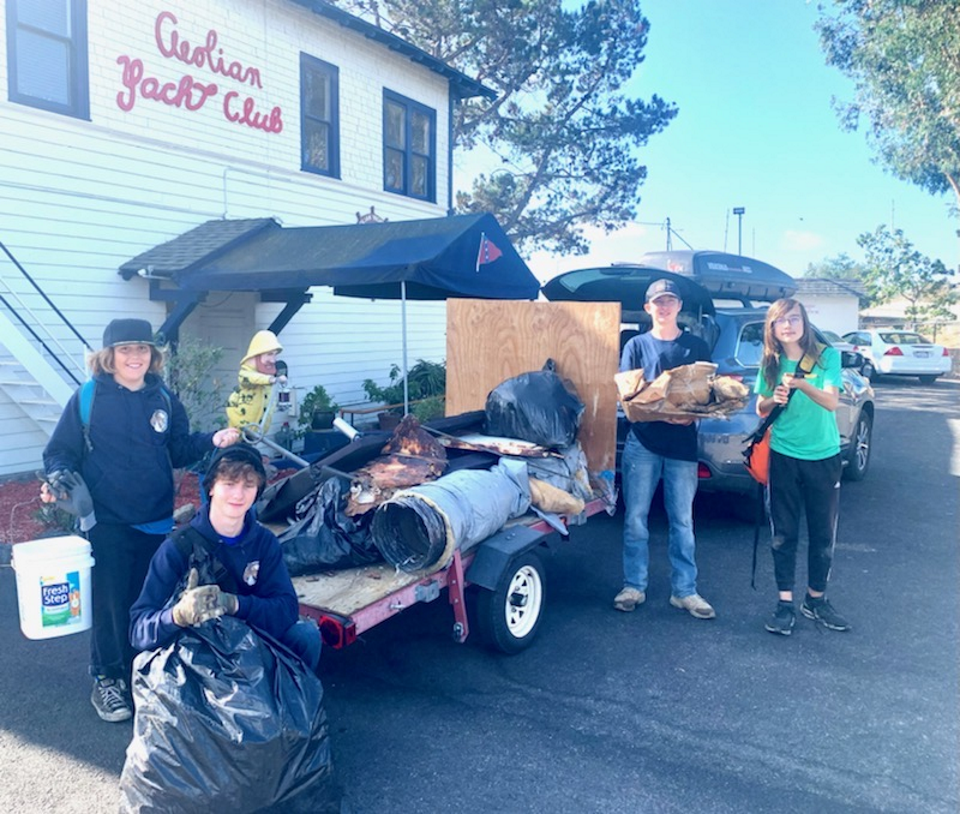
<point x="253" y="585"/>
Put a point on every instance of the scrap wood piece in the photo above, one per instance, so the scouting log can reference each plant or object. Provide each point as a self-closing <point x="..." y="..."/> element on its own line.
<point x="512" y="447"/>
<point x="689" y="391"/>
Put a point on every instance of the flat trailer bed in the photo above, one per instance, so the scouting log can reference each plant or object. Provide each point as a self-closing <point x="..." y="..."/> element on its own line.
<point x="505" y="567"/>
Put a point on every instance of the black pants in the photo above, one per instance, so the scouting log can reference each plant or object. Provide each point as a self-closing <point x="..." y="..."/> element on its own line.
<point x="122" y="555"/>
<point x="815" y="485"/>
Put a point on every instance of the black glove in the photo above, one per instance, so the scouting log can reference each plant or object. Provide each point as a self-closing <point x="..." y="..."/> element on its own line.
<point x="73" y="496"/>
<point x="198" y="603"/>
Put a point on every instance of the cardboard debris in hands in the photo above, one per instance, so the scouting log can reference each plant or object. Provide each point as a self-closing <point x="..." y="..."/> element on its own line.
<point x="689" y="391"/>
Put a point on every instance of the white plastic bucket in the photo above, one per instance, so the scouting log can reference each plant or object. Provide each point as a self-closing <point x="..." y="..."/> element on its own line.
<point x="53" y="586"/>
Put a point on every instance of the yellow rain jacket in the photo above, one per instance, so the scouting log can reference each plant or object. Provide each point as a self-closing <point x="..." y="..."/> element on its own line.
<point x="249" y="399"/>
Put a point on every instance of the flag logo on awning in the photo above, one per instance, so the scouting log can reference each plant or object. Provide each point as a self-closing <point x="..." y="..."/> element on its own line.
<point x="488" y="251"/>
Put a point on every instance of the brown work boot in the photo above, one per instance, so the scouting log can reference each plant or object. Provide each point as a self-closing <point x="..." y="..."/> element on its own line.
<point x="695" y="605"/>
<point x="628" y="599"/>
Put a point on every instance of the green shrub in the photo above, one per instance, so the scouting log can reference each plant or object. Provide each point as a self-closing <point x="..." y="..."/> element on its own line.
<point x="316" y="401"/>
<point x="189" y="373"/>
<point x="426" y="380"/>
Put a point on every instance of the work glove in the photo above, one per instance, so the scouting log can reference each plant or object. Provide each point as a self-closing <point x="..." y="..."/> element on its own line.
<point x="198" y="603"/>
<point x="223" y="603"/>
<point x="73" y="496"/>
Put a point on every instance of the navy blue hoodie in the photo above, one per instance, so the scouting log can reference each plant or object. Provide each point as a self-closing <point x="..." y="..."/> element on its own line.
<point x="267" y="600"/>
<point x="138" y="438"/>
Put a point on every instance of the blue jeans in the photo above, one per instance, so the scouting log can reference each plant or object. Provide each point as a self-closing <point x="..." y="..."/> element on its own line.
<point x="641" y="471"/>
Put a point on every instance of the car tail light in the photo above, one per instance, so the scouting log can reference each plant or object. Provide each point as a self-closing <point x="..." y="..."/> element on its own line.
<point x="703" y="471"/>
<point x="945" y="352"/>
<point x="894" y="351"/>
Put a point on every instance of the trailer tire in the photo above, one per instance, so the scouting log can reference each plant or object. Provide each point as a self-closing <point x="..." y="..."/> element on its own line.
<point x="508" y="617"/>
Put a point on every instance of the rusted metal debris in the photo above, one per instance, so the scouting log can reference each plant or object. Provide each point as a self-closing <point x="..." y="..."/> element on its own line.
<point x="411" y="456"/>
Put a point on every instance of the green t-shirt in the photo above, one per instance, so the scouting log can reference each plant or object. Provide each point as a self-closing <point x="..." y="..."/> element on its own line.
<point x="804" y="429"/>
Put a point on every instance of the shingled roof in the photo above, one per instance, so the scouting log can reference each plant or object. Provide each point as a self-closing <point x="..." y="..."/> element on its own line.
<point x="831" y="288"/>
<point x="198" y="246"/>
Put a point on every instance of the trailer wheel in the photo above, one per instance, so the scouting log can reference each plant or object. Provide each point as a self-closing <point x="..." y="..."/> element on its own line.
<point x="508" y="616"/>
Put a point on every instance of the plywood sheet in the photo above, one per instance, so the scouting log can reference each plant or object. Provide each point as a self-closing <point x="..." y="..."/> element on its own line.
<point x="492" y="340"/>
<point x="345" y="592"/>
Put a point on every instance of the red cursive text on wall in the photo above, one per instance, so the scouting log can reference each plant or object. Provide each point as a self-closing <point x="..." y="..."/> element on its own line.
<point x="270" y="123"/>
<point x="188" y="92"/>
<point x="172" y="46"/>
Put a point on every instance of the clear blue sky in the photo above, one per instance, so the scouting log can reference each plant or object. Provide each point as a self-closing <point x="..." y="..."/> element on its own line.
<point x="756" y="129"/>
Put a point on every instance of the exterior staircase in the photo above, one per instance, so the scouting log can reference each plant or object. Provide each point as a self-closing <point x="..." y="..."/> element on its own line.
<point x="38" y="374"/>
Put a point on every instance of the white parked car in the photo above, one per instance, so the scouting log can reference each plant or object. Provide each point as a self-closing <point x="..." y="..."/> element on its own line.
<point x="901" y="353"/>
<point x="866" y="369"/>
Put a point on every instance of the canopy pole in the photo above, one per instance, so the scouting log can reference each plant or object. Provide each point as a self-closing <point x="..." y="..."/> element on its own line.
<point x="403" y="324"/>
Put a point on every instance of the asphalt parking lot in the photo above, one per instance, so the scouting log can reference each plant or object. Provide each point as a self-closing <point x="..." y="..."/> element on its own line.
<point x="611" y="712"/>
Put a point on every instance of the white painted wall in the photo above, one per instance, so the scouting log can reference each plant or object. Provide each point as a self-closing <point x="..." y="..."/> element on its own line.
<point x="832" y="313"/>
<point x="79" y="198"/>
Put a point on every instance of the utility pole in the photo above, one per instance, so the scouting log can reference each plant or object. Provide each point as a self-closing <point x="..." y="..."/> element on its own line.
<point x="739" y="212"/>
<point x="669" y="242"/>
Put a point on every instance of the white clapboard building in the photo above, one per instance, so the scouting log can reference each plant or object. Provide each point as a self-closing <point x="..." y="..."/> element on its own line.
<point x="124" y="126"/>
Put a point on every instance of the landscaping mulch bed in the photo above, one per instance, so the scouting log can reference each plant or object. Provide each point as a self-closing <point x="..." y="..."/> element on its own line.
<point x="20" y="506"/>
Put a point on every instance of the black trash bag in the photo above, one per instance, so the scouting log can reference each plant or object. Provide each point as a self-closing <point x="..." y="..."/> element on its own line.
<point x="538" y="407"/>
<point x="325" y="538"/>
<point x="227" y="719"/>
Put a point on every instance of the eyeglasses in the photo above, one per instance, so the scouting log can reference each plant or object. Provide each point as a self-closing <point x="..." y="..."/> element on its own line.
<point x="792" y="321"/>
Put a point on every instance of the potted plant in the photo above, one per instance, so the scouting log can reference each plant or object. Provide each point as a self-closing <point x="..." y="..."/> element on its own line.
<point x="426" y="380"/>
<point x="317" y="410"/>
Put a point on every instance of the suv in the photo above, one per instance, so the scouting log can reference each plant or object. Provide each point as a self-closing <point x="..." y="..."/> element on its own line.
<point x="735" y="336"/>
<point x="737" y="352"/>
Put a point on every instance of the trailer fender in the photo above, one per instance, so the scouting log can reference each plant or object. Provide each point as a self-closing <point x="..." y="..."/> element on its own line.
<point x="495" y="553"/>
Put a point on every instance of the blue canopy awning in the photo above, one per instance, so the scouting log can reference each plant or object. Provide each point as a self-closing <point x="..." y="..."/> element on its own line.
<point x="436" y="258"/>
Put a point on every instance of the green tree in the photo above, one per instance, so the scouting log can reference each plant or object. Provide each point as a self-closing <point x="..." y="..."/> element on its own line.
<point x="894" y="268"/>
<point x="842" y="267"/>
<point x="902" y="57"/>
<point x="563" y="127"/>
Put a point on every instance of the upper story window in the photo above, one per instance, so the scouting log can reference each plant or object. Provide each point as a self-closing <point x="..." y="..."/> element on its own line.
<point x="47" y="55"/>
<point x="319" y="116"/>
<point x="409" y="147"/>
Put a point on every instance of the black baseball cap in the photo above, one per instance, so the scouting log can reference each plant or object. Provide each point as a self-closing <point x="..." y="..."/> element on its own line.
<point x="241" y="453"/>
<point x="128" y="332"/>
<point x="662" y="287"/>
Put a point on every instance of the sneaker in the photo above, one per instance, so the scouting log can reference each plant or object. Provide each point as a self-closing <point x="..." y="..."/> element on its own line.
<point x="111" y="700"/>
<point x="783" y="619"/>
<point x="695" y="605"/>
<point x="820" y="610"/>
<point x="628" y="599"/>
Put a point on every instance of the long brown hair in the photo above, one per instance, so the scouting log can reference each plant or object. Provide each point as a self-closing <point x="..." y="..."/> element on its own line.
<point x="104" y="361"/>
<point x="772" y="349"/>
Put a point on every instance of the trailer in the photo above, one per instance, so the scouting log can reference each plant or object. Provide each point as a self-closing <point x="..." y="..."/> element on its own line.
<point x="498" y="585"/>
<point x="506" y="571"/>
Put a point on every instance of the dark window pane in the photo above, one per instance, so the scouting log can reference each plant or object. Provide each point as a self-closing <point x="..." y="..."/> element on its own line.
<point x="394" y="170"/>
<point x="420" y="132"/>
<point x="394" y="137"/>
<point x="419" y="167"/>
<point x="317" y="95"/>
<point x="316" y="145"/>
<point x="52" y="16"/>
<point x="43" y="68"/>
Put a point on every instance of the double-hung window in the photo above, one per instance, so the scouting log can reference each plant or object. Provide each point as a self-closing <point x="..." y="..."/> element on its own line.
<point x="409" y="147"/>
<point x="47" y="55"/>
<point x="319" y="117"/>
